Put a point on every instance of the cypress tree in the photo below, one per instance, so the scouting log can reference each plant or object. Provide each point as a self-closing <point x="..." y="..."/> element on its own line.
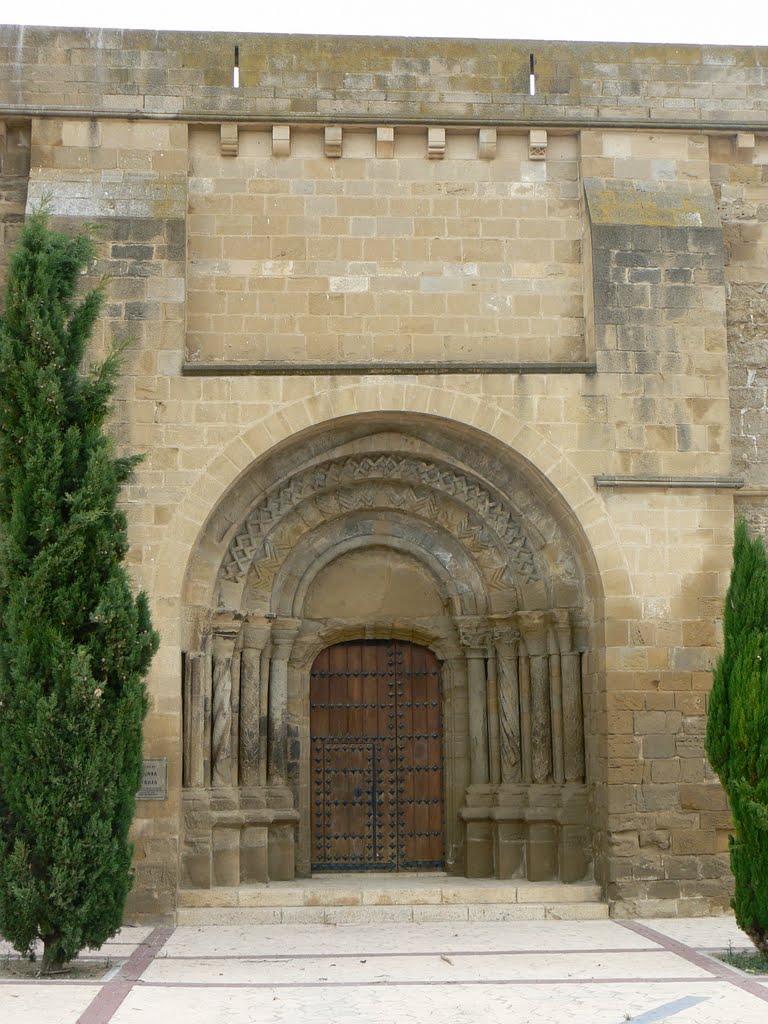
<point x="737" y="730"/>
<point x="75" y="644"/>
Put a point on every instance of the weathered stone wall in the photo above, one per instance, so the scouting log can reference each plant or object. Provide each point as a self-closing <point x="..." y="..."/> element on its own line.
<point x="287" y="287"/>
<point x="190" y="74"/>
<point x="14" y="177"/>
<point x="364" y="257"/>
<point x="739" y="170"/>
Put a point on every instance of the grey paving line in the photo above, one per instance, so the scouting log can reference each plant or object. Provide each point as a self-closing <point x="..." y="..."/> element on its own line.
<point x="276" y="957"/>
<point x="69" y="982"/>
<point x="715" y="967"/>
<point x="105" y="1003"/>
<point x="391" y="983"/>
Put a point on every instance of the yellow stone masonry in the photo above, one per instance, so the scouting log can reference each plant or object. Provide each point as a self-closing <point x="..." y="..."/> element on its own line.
<point x="417" y="357"/>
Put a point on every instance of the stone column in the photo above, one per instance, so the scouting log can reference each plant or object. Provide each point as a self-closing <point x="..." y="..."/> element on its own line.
<point x="221" y="728"/>
<point x="556" y="705"/>
<point x="573" y="713"/>
<point x="534" y="628"/>
<point x="283" y="634"/>
<point x="235" y="674"/>
<point x="194" y="721"/>
<point x="207" y="707"/>
<point x="264" y="714"/>
<point x="526" y="746"/>
<point x="506" y="639"/>
<point x="255" y="638"/>
<point x="492" y="711"/>
<point x="474" y="639"/>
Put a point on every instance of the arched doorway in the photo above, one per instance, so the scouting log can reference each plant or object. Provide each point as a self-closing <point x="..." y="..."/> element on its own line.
<point x="404" y="530"/>
<point x="376" y="758"/>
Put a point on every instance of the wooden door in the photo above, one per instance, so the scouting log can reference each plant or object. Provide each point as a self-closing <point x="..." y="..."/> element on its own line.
<point x="377" y="766"/>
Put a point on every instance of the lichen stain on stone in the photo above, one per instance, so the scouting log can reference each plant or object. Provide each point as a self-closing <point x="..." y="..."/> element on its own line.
<point x="658" y="208"/>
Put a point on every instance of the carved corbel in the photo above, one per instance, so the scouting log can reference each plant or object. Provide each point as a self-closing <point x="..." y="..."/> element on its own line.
<point x="230" y="139"/>
<point x="333" y="140"/>
<point x="385" y="142"/>
<point x="281" y="140"/>
<point x="436" y="143"/>
<point x="537" y="144"/>
<point x="486" y="143"/>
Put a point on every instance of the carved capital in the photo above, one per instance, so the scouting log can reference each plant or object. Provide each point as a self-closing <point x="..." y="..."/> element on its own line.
<point x="534" y="628"/>
<point x="561" y="623"/>
<point x="504" y="631"/>
<point x="284" y="632"/>
<point x="474" y="633"/>
<point x="255" y="636"/>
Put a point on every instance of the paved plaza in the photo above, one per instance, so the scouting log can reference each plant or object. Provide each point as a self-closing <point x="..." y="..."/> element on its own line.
<point x="516" y="972"/>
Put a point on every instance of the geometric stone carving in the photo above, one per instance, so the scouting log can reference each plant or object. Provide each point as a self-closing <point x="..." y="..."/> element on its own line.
<point x="506" y="639"/>
<point x="436" y="143"/>
<point x="533" y="693"/>
<point x="274" y="547"/>
<point x="221" y="743"/>
<point x="332" y="475"/>
<point x="537" y="144"/>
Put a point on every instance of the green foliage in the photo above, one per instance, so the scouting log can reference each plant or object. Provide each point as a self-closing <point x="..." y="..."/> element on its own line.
<point x="74" y="643"/>
<point x="737" y="730"/>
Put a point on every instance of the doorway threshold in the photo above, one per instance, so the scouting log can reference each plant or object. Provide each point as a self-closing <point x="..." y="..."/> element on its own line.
<point x="348" y="898"/>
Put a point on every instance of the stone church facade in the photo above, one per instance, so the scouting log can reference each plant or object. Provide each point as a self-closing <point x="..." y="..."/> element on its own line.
<point x="448" y="361"/>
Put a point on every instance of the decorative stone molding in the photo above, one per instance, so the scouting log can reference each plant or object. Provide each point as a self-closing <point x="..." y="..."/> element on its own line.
<point x="436" y="143"/>
<point x="486" y="143"/>
<point x="330" y="476"/>
<point x="333" y="140"/>
<point x="230" y="139"/>
<point x="707" y="482"/>
<point x="385" y="142"/>
<point x="281" y="140"/>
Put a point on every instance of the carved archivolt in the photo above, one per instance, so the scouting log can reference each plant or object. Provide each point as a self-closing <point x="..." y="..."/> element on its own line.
<point x="331" y="477"/>
<point x="273" y="548"/>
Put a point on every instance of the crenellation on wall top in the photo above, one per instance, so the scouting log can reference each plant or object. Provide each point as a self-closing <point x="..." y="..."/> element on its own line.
<point x="191" y="74"/>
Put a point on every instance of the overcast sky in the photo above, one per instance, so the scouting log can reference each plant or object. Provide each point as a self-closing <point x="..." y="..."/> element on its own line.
<point x="667" y="21"/>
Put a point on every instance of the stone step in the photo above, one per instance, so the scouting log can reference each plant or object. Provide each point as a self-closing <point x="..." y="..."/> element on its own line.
<point x="345" y="899"/>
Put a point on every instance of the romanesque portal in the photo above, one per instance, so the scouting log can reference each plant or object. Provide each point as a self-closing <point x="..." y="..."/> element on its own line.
<point x="391" y="670"/>
<point x="421" y="361"/>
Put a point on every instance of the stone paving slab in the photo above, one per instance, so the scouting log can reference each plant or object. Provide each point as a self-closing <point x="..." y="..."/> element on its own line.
<point x="32" y="1003"/>
<point x="528" y="972"/>
<point x="443" y="937"/>
<point x="429" y="968"/>
<point x="521" y="1004"/>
